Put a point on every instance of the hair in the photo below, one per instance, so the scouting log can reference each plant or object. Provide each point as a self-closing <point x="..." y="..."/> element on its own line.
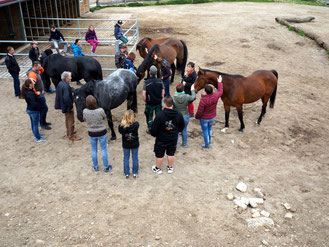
<point x="131" y="56"/>
<point x="123" y="46"/>
<point x="36" y="63"/>
<point x="91" y="102"/>
<point x="65" y="75"/>
<point x="34" y="43"/>
<point x="128" y="118"/>
<point x="191" y="64"/>
<point x="76" y="41"/>
<point x="52" y="26"/>
<point x="208" y="89"/>
<point x="90" y="27"/>
<point x="168" y="101"/>
<point x="9" y="48"/>
<point x="179" y="87"/>
<point x="25" y="87"/>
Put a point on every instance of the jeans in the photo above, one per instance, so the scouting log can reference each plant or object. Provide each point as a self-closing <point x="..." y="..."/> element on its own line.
<point x="149" y="113"/>
<point x="56" y="42"/>
<point x="124" y="40"/>
<point x="16" y="84"/>
<point x="44" y="110"/>
<point x="126" y="157"/>
<point x="184" y="132"/>
<point x="166" y="85"/>
<point x="94" y="43"/>
<point x="34" y="117"/>
<point x="206" y="126"/>
<point x="103" y="143"/>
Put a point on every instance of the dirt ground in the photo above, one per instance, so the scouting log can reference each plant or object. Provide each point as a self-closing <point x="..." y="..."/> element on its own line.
<point x="51" y="197"/>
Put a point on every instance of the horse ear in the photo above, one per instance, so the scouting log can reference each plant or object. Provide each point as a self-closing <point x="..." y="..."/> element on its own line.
<point x="201" y="71"/>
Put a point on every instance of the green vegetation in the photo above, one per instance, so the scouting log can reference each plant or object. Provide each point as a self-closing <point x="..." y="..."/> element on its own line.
<point x="175" y="2"/>
<point x="301" y="33"/>
<point x="291" y="28"/>
<point x="328" y="51"/>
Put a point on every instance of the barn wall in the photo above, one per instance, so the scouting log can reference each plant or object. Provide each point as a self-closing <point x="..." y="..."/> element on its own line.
<point x="17" y="25"/>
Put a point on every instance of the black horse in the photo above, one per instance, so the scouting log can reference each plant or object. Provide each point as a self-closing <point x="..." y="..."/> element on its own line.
<point x="109" y="93"/>
<point x="87" y="68"/>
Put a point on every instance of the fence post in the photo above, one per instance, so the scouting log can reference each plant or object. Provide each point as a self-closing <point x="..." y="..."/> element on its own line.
<point x="79" y="28"/>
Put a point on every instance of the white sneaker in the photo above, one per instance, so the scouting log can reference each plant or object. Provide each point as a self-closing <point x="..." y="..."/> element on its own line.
<point x="156" y="170"/>
<point x="170" y="169"/>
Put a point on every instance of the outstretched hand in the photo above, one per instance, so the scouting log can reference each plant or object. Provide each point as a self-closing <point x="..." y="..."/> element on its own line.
<point x="192" y="87"/>
<point x="219" y="79"/>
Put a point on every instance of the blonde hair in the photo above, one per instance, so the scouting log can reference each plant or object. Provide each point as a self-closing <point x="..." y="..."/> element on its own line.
<point x="128" y="118"/>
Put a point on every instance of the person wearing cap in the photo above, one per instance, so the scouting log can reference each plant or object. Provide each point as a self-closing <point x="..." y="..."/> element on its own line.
<point x="34" y="52"/>
<point x="153" y="92"/>
<point x="120" y="57"/>
<point x="118" y="33"/>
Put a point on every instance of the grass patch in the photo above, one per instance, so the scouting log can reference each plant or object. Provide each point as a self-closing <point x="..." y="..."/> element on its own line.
<point x="328" y="51"/>
<point x="301" y="33"/>
<point x="176" y="2"/>
<point x="291" y="28"/>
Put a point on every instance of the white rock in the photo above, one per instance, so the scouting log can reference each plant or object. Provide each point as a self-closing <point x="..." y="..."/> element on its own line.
<point x="261" y="221"/>
<point x="287" y="206"/>
<point x="245" y="200"/>
<point x="257" y="200"/>
<point x="224" y="129"/>
<point x="39" y="241"/>
<point x="252" y="203"/>
<point x="254" y="210"/>
<point x="264" y="242"/>
<point x="264" y="213"/>
<point x="258" y="193"/>
<point x="240" y="204"/>
<point x="255" y="214"/>
<point x="157" y="237"/>
<point x="7" y="214"/>
<point x="230" y="196"/>
<point x="288" y="216"/>
<point x="241" y="187"/>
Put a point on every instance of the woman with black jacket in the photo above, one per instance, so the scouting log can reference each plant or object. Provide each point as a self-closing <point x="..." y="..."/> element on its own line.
<point x="33" y="108"/>
<point x="34" y="52"/>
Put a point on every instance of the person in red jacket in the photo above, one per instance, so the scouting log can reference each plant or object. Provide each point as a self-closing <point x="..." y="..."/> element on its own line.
<point x="207" y="111"/>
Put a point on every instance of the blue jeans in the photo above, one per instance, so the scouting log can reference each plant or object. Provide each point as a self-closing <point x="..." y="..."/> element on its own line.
<point x="44" y="110"/>
<point x="16" y="84"/>
<point x="126" y="157"/>
<point x="206" y="126"/>
<point x="34" y="117"/>
<point x="184" y="132"/>
<point x="166" y="85"/>
<point x="56" y="46"/>
<point x="103" y="142"/>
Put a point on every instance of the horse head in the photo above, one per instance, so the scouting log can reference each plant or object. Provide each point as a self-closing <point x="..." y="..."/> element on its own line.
<point x="201" y="80"/>
<point x="80" y="96"/>
<point x="141" y="47"/>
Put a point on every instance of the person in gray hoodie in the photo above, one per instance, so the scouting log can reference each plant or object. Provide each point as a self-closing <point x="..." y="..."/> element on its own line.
<point x="181" y="100"/>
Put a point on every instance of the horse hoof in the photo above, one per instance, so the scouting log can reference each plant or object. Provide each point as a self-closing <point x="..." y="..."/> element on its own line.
<point x="224" y="129"/>
<point x="113" y="138"/>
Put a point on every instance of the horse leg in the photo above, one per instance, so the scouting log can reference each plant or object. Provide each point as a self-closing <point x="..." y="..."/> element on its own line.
<point x="172" y="72"/>
<point x="240" y="114"/>
<point x="134" y="103"/>
<point x="227" y="116"/>
<point x="264" y="100"/>
<point x="110" y="122"/>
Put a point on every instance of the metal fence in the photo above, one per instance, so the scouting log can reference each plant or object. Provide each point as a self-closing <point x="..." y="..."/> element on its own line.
<point x="76" y="29"/>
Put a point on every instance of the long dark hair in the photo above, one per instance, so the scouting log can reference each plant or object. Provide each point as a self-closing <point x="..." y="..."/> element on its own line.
<point x="25" y="87"/>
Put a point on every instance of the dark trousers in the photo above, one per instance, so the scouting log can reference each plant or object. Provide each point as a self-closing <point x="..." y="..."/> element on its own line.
<point x="69" y="122"/>
<point x="149" y="113"/>
<point x="16" y="84"/>
<point x="44" y="110"/>
<point x="166" y="85"/>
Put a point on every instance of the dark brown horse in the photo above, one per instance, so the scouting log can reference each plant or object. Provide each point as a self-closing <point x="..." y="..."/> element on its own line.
<point x="171" y="50"/>
<point x="239" y="90"/>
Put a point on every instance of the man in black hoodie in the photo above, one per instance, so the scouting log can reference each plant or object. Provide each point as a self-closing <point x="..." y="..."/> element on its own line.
<point x="13" y="69"/>
<point x="166" y="126"/>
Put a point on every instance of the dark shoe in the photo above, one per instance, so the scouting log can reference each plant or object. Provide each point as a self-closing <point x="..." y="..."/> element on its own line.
<point x="48" y="123"/>
<point x="127" y="176"/>
<point x="135" y="175"/>
<point x="45" y="127"/>
<point x="203" y="146"/>
<point x="75" y="138"/>
<point x="108" y="169"/>
<point x="148" y="132"/>
<point x="95" y="169"/>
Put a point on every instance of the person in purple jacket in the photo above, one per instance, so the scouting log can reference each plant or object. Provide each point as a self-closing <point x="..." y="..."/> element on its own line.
<point x="207" y="111"/>
<point x="91" y="38"/>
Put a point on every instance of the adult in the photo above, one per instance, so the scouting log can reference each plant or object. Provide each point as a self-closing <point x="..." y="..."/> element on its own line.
<point x="188" y="80"/>
<point x="167" y="124"/>
<point x="181" y="101"/>
<point x="77" y="51"/>
<point x="118" y="33"/>
<point x="120" y="57"/>
<point x="39" y="89"/>
<point x="129" y="62"/>
<point x="153" y="93"/>
<point x="91" y="38"/>
<point x="34" y="52"/>
<point x="165" y="76"/>
<point x="207" y="111"/>
<point x="13" y="70"/>
<point x="56" y="36"/>
<point x="94" y="117"/>
<point x="33" y="108"/>
<point x="64" y="102"/>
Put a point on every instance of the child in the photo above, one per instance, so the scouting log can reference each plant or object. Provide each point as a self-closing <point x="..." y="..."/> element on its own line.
<point x="118" y="33"/>
<point x="188" y="80"/>
<point x="56" y="36"/>
<point x="91" y="38"/>
<point x="129" y="130"/>
<point x="77" y="51"/>
<point x="129" y="62"/>
<point x="165" y="76"/>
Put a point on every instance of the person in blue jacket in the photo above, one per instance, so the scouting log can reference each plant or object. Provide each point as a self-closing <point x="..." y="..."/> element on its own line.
<point x="129" y="62"/>
<point x="118" y="33"/>
<point x="77" y="51"/>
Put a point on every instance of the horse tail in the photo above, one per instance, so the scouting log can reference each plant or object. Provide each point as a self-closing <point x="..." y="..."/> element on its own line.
<point x="272" y="98"/>
<point x="181" y="66"/>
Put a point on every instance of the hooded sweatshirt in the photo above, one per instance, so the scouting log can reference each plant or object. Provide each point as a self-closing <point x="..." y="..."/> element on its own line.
<point x="208" y="104"/>
<point x="130" y="135"/>
<point x="181" y="100"/>
<point x="77" y="51"/>
<point x="166" y="126"/>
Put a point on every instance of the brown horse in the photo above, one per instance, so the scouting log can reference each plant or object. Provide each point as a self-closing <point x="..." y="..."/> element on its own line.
<point x="239" y="90"/>
<point x="171" y="50"/>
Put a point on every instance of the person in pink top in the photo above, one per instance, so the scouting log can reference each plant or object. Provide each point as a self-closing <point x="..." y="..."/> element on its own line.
<point x="91" y="38"/>
<point x="207" y="111"/>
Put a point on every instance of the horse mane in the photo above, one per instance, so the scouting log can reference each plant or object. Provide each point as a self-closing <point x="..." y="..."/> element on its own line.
<point x="220" y="73"/>
<point x="148" y="59"/>
<point x="142" y="44"/>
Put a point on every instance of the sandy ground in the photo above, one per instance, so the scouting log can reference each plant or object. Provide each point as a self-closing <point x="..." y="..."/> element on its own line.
<point x="51" y="197"/>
